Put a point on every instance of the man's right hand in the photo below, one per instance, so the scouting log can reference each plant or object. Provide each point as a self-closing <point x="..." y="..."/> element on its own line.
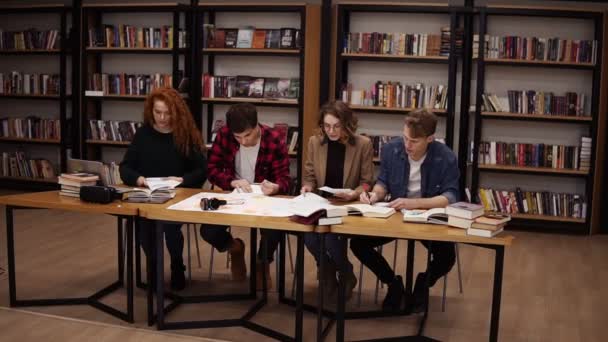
<point x="368" y="199"/>
<point x="241" y="185"/>
<point x="305" y="189"/>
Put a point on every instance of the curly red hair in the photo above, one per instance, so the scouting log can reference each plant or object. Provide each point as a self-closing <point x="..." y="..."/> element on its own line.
<point x="186" y="135"/>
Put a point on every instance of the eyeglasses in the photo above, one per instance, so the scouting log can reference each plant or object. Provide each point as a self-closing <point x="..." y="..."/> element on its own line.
<point x="329" y="127"/>
<point x="211" y="203"/>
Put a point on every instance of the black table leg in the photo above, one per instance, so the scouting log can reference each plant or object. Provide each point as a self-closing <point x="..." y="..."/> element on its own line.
<point x="497" y="292"/>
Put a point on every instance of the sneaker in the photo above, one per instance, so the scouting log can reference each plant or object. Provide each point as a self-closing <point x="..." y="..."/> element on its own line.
<point x="261" y="271"/>
<point x="350" y="282"/>
<point x="330" y="283"/>
<point x="238" y="267"/>
<point x="178" y="280"/>
<point x="420" y="295"/>
<point x="394" y="296"/>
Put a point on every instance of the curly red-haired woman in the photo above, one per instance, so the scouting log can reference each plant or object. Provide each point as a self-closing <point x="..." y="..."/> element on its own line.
<point x="167" y="145"/>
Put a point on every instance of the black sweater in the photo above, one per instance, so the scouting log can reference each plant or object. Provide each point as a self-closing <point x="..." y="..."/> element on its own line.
<point x="154" y="154"/>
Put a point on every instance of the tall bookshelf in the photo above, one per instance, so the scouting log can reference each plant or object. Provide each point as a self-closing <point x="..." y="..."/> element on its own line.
<point x="95" y="59"/>
<point x="60" y="14"/>
<point x="304" y="60"/>
<point x="378" y="18"/>
<point x="579" y="75"/>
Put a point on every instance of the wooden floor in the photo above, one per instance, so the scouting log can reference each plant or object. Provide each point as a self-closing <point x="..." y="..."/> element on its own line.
<point x="554" y="289"/>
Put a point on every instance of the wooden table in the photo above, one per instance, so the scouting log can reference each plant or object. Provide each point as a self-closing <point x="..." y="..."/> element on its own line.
<point x="394" y="227"/>
<point x="52" y="200"/>
<point x="161" y="215"/>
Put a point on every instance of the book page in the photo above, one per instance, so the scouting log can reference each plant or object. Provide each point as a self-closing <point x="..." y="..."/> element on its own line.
<point x="333" y="190"/>
<point x="155" y="183"/>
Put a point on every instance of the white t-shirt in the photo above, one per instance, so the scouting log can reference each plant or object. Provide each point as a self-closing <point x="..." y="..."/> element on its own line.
<point x="244" y="162"/>
<point x="415" y="183"/>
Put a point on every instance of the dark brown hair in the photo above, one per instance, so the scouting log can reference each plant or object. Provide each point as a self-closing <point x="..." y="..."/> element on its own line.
<point x="186" y="135"/>
<point x="347" y="119"/>
<point x="421" y="122"/>
<point x="241" y="116"/>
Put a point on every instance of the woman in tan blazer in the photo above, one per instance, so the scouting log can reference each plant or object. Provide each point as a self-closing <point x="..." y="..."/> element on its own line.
<point x="339" y="158"/>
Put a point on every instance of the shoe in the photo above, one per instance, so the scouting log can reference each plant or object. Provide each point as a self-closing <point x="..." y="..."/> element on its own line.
<point x="238" y="267"/>
<point x="350" y="282"/>
<point x="178" y="280"/>
<point x="420" y="295"/>
<point x="261" y="271"/>
<point x="330" y="283"/>
<point x="394" y="296"/>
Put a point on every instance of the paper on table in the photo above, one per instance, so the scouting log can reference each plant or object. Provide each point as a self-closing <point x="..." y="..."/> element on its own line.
<point x="256" y="189"/>
<point x="254" y="205"/>
<point x="333" y="190"/>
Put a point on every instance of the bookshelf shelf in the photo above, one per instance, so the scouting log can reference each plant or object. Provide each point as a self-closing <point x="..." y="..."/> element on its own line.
<point x="394" y="58"/>
<point x="257" y="102"/>
<point x="109" y="143"/>
<point x="532" y="170"/>
<point x="27" y="179"/>
<point x="31" y="52"/>
<point x="536" y="117"/>
<point x="545" y="218"/>
<point x="532" y="63"/>
<point x="152" y="51"/>
<point x="31" y="141"/>
<point x="32" y="97"/>
<point x="250" y="52"/>
<point x="118" y="97"/>
<point x="392" y="110"/>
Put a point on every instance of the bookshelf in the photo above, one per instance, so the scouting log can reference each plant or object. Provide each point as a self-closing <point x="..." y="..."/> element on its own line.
<point x="56" y="17"/>
<point x="353" y="67"/>
<point x="135" y="50"/>
<point x="578" y="75"/>
<point x="302" y="63"/>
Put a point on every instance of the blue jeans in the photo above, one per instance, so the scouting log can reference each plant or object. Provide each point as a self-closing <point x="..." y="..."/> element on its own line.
<point x="333" y="249"/>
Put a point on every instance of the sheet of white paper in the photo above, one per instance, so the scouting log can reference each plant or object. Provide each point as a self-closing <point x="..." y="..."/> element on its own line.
<point x="255" y="205"/>
<point x="256" y="189"/>
<point x="332" y="190"/>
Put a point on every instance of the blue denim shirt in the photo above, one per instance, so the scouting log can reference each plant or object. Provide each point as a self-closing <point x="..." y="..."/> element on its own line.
<point x="439" y="171"/>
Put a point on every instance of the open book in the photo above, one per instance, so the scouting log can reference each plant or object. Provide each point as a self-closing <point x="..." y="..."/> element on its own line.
<point x="369" y="210"/>
<point x="160" y="190"/>
<point x="435" y="215"/>
<point x="306" y="205"/>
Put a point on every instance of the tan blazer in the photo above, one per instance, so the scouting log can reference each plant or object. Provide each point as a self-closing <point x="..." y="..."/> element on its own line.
<point x="358" y="163"/>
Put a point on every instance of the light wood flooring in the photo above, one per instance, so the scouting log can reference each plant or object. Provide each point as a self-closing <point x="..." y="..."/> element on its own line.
<point x="554" y="289"/>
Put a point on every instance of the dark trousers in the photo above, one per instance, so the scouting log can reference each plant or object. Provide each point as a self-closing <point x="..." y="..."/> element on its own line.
<point x="443" y="257"/>
<point x="173" y="238"/>
<point x="219" y="237"/>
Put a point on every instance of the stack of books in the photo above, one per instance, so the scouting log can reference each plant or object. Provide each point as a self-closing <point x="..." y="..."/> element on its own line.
<point x="72" y="182"/>
<point x="470" y="216"/>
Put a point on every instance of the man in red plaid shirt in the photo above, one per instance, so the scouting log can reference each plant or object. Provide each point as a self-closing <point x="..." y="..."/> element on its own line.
<point x="245" y="152"/>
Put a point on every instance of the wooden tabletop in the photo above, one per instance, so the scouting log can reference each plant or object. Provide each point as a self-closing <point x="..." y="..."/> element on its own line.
<point x="395" y="227"/>
<point x="52" y="200"/>
<point x="160" y="212"/>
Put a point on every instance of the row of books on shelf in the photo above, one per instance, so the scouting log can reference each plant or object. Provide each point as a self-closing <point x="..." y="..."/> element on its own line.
<point x="112" y="130"/>
<point x="537" y="49"/>
<point x="16" y="164"/>
<point x="396" y="95"/>
<point x="537" y="102"/>
<point x="545" y="203"/>
<point x="248" y="37"/>
<point x="31" y="127"/>
<point x="30" y="39"/>
<point x="402" y="44"/>
<point x="378" y="141"/>
<point x="126" y="84"/>
<point x="18" y="83"/>
<point x="250" y="87"/>
<point x="127" y="36"/>
<point x="531" y="155"/>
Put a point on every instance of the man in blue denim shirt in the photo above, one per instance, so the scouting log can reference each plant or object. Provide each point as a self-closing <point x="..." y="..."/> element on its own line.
<point x="418" y="173"/>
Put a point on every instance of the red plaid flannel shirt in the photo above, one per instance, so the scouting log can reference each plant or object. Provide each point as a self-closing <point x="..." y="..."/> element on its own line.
<point x="272" y="163"/>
